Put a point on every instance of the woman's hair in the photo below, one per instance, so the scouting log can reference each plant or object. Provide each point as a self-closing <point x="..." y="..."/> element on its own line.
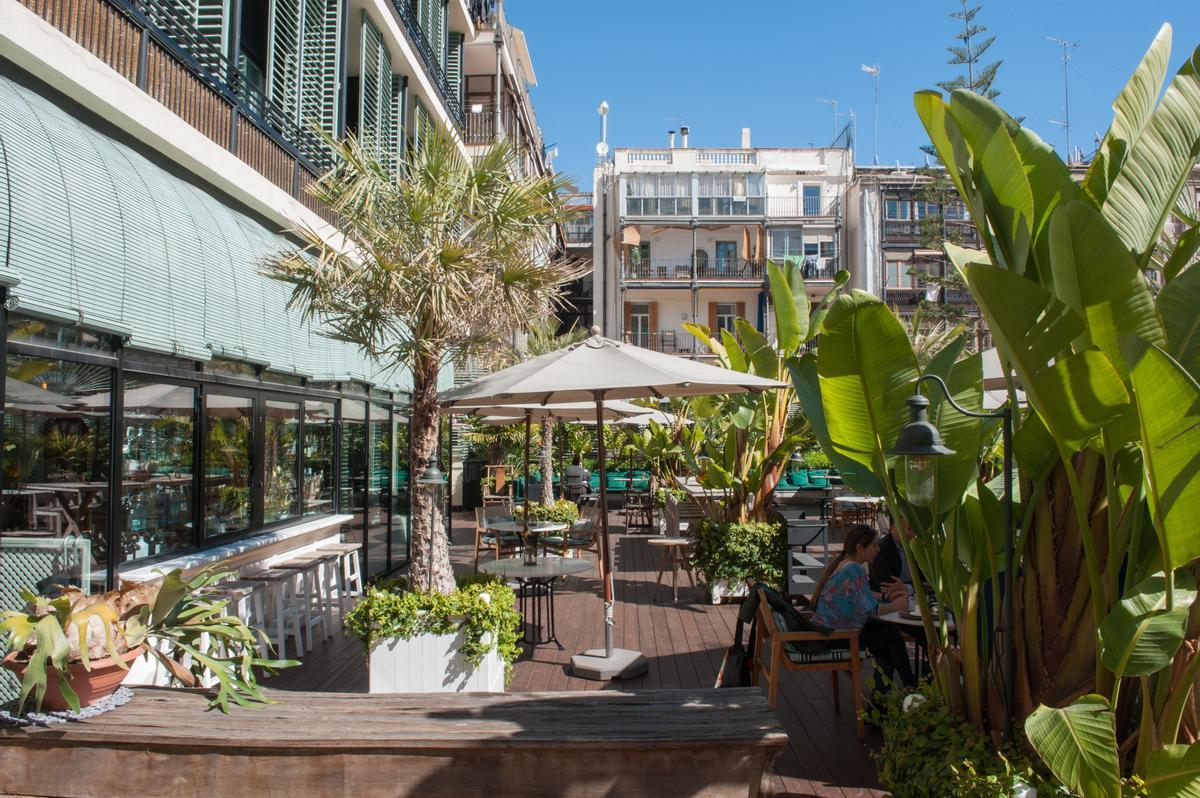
<point x="858" y="536"/>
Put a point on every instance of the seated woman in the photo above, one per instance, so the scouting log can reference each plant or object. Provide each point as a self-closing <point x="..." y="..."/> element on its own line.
<point x="844" y="600"/>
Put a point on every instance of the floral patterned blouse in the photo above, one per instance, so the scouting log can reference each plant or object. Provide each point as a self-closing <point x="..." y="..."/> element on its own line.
<point x="846" y="601"/>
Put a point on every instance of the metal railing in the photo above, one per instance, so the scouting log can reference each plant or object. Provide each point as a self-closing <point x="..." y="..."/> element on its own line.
<point x="800" y="207"/>
<point x="909" y="230"/>
<point x="903" y="297"/>
<point x="671" y="342"/>
<point x="578" y="232"/>
<point x="433" y="67"/>
<point x="674" y="269"/>
<point x="731" y="269"/>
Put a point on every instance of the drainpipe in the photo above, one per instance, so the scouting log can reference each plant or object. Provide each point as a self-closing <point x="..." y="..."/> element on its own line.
<point x="498" y="40"/>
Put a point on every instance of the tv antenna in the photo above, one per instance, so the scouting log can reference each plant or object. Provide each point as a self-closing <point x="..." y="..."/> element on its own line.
<point x="836" y="116"/>
<point x="873" y="71"/>
<point x="1065" y="124"/>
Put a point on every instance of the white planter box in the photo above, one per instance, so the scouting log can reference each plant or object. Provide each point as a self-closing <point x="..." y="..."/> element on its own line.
<point x="432" y="664"/>
<point x="721" y="590"/>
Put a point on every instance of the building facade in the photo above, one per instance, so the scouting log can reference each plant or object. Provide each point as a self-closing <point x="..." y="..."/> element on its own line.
<point x="683" y="235"/>
<point x="161" y="400"/>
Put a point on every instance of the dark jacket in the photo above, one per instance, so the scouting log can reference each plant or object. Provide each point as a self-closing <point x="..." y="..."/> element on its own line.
<point x="888" y="563"/>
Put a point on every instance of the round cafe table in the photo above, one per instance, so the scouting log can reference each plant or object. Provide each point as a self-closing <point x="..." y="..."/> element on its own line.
<point x="537" y="589"/>
<point x="910" y="623"/>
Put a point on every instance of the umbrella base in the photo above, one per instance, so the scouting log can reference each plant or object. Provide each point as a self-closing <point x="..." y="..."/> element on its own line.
<point x="623" y="664"/>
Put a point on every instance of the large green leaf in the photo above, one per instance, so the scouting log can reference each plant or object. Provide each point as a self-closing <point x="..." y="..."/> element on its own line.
<point x="1173" y="771"/>
<point x="953" y="151"/>
<point x="759" y="351"/>
<point x="1141" y="635"/>
<point x="1168" y="406"/>
<point x="867" y="368"/>
<point x="1179" y="306"/>
<point x="1131" y="111"/>
<point x="1098" y="279"/>
<point x="1078" y="744"/>
<point x="1033" y="447"/>
<point x="964" y="379"/>
<point x="1075" y="394"/>
<point x="1144" y="191"/>
<point x="816" y="323"/>
<point x="808" y="393"/>
<point x="1184" y="252"/>
<point x="999" y="174"/>
<point x="790" y="301"/>
<point x="1051" y="183"/>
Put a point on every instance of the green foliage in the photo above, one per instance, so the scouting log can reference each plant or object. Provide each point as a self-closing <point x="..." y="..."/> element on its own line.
<point x="737" y="552"/>
<point x="482" y="606"/>
<point x="180" y="613"/>
<point x="563" y="511"/>
<point x="815" y="458"/>
<point x="1078" y="744"/>
<point x="661" y="494"/>
<point x="929" y="750"/>
<point x="979" y="76"/>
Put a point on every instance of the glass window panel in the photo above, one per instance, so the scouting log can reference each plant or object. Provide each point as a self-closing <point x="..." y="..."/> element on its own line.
<point x="281" y="468"/>
<point x="229" y="448"/>
<point x="54" y="507"/>
<point x="157" y="467"/>
<point x="380" y="488"/>
<point x="754" y="185"/>
<point x="22" y="329"/>
<point x="318" y="457"/>
<point x="401" y="506"/>
<point x="353" y="482"/>
<point x="726" y="313"/>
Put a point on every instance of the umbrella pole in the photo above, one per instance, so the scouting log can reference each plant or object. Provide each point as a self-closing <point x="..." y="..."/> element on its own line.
<point x="525" y="515"/>
<point x="608" y="662"/>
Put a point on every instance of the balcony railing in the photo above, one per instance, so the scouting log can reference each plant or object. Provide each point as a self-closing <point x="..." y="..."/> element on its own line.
<point x="578" y="232"/>
<point x="731" y="269"/>
<point x="657" y="269"/>
<point x="903" y="297"/>
<point x="801" y="207"/>
<point x="671" y="342"/>
<point x="433" y="66"/>
<point x="909" y="231"/>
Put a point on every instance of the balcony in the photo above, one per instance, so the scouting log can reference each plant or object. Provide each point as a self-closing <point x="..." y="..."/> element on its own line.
<point x="578" y="233"/>
<point x="898" y="231"/>
<point x="657" y="269"/>
<point x="906" y="298"/>
<point x="731" y="269"/>
<point x="801" y="207"/>
<point x="670" y="342"/>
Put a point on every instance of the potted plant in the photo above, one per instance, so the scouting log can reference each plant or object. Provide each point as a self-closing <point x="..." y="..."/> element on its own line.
<point x="418" y="641"/>
<point x="732" y="555"/>
<point x="563" y="511"/>
<point x="72" y="649"/>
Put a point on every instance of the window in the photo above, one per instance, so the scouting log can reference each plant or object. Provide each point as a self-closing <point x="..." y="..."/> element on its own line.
<point x="318" y="457"/>
<point x="897" y="274"/>
<point x="658" y="195"/>
<point x="812" y="200"/>
<point x="353" y="481"/>
<point x="828" y="249"/>
<point x="726" y="313"/>
<point x="787" y="242"/>
<point x="957" y="212"/>
<point x="56" y="478"/>
<point x="229" y="448"/>
<point x="281" y="468"/>
<point x="156" y="463"/>
<point x="924" y="210"/>
<point x="726" y="257"/>
<point x="400" y="534"/>
<point x="730" y="195"/>
<point x="896" y="210"/>
<point x="639" y="324"/>
<point x="379" y="490"/>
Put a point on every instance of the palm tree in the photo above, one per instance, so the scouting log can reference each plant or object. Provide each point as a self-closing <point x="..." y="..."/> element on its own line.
<point x="440" y="260"/>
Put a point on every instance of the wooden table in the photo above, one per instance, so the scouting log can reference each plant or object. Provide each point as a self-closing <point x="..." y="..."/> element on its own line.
<point x="910" y="623"/>
<point x="583" y="744"/>
<point x="841" y="504"/>
<point x="675" y="557"/>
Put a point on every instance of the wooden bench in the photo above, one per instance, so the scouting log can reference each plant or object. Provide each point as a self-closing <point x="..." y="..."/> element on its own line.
<point x="590" y="743"/>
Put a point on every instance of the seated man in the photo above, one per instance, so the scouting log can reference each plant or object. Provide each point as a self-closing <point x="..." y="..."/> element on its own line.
<point x="575" y="479"/>
<point x="891" y="574"/>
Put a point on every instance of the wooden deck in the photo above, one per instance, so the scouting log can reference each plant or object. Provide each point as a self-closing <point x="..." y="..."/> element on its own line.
<point x="684" y="643"/>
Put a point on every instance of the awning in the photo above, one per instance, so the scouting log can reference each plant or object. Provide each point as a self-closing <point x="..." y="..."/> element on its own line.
<point x="631" y="235"/>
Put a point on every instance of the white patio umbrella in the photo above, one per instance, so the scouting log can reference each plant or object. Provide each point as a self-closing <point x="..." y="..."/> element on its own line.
<point x="598" y="369"/>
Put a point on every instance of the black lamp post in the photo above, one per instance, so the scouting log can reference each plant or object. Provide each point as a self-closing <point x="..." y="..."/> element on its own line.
<point x="919" y="442"/>
<point x="432" y="480"/>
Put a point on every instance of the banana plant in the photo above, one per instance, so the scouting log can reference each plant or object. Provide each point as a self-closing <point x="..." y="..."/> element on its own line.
<point x="1109" y="442"/>
<point x="748" y="439"/>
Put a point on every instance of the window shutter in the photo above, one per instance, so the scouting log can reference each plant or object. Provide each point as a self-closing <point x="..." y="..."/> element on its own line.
<point x="376" y="96"/>
<point x="741" y="310"/>
<point x="454" y="70"/>
<point x="653" y="320"/>
<point x="396" y="128"/>
<point x="628" y="312"/>
<point x="302" y="73"/>
<point x="712" y="317"/>
<point x="212" y="22"/>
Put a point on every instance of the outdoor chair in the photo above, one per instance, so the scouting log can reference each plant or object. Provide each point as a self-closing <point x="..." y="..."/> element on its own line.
<point x="667" y="337"/>
<point x="574" y="487"/>
<point x="501" y="544"/>
<point x="784" y="638"/>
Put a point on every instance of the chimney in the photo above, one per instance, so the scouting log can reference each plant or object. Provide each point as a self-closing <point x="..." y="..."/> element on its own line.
<point x="683" y="134"/>
<point x="745" y="138"/>
<point x="670" y="139"/>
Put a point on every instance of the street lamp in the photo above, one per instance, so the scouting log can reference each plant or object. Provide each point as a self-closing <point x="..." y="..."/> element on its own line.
<point x="432" y="481"/>
<point x="918" y="443"/>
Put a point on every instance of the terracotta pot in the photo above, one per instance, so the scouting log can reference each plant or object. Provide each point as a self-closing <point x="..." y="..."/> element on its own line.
<point x="102" y="680"/>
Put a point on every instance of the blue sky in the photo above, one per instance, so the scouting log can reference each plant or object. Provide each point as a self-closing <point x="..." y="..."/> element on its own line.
<point x="722" y="66"/>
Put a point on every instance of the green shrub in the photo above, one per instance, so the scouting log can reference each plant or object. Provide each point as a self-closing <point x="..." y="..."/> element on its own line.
<point x="815" y="458"/>
<point x="928" y="751"/>
<point x="490" y="624"/>
<point x="563" y="511"/>
<point x="660" y="495"/>
<point x="736" y="552"/>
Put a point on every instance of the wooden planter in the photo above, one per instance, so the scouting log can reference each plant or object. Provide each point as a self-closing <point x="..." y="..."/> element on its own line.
<point x="722" y="591"/>
<point x="432" y="664"/>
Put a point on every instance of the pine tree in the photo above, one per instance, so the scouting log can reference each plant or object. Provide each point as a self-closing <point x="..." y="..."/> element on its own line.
<point x="979" y="76"/>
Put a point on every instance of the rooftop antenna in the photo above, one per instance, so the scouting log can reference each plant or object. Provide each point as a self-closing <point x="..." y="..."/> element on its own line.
<point x="873" y="71"/>
<point x="1065" y="124"/>
<point x="836" y="116"/>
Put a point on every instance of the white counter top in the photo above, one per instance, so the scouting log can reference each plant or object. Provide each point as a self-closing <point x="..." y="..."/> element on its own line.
<point x="198" y="559"/>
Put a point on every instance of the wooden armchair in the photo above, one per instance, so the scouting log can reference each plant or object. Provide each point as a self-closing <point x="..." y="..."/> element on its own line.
<point x="487" y="540"/>
<point x="779" y="642"/>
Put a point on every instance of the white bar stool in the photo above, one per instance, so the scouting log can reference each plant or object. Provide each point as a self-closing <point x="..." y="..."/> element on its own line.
<point x="246" y="601"/>
<point x="278" y="589"/>
<point x="309" y="589"/>
<point x="351" y="583"/>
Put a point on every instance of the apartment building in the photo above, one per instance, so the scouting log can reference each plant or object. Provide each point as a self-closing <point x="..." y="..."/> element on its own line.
<point x="161" y="400"/>
<point x="683" y="234"/>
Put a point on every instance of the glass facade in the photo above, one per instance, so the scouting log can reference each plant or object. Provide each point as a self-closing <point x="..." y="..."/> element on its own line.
<point x="195" y="457"/>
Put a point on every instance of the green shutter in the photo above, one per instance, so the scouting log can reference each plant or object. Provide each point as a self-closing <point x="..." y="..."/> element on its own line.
<point x="454" y="68"/>
<point x="381" y="97"/>
<point x="212" y="22"/>
<point x="396" y="128"/>
<point x="304" y="45"/>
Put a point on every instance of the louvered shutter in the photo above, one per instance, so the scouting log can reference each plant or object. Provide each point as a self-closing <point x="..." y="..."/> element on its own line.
<point x="302" y="76"/>
<point x="199" y="26"/>
<point x="374" y="97"/>
<point x="712" y="317"/>
<point x="454" y="68"/>
<point x="396" y="127"/>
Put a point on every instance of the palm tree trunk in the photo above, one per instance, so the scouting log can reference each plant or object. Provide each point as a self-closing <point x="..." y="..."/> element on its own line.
<point x="430" y="568"/>
<point x="547" y="462"/>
